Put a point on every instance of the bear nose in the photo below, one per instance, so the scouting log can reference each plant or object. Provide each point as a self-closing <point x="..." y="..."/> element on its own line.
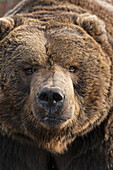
<point x="51" y="100"/>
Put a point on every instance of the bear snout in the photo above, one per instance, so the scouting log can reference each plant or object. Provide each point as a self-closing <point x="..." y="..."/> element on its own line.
<point x="51" y="99"/>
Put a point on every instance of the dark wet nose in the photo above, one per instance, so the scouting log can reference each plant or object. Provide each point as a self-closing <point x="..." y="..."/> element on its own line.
<point x="51" y="100"/>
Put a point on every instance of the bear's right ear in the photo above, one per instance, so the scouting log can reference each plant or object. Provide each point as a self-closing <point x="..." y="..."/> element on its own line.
<point x="6" y="25"/>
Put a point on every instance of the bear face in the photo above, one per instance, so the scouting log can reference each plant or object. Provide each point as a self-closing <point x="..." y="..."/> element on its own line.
<point x="54" y="84"/>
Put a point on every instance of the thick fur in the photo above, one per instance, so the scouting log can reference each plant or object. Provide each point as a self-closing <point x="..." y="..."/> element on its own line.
<point x="65" y="46"/>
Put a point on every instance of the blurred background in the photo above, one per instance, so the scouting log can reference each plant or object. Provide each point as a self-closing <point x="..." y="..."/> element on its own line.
<point x="5" y="5"/>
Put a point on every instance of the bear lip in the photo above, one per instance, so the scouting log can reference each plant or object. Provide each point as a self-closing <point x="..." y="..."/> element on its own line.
<point x="52" y="121"/>
<point x="53" y="118"/>
<point x="50" y="118"/>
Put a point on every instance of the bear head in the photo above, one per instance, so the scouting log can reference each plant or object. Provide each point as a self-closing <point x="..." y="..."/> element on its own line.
<point x="55" y="79"/>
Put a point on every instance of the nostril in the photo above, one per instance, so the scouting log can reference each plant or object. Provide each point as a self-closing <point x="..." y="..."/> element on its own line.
<point x="43" y="96"/>
<point x="50" y="98"/>
<point x="57" y="97"/>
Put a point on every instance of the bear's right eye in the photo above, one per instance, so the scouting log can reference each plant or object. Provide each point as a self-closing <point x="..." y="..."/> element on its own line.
<point x="29" y="71"/>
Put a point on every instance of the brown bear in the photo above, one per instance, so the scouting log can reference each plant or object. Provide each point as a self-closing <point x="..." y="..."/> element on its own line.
<point x="56" y="86"/>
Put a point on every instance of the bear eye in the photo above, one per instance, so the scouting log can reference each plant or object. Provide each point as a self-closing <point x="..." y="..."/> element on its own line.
<point x="29" y="71"/>
<point x="72" y="69"/>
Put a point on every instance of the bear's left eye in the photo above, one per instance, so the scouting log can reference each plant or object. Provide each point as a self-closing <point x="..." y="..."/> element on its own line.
<point x="29" y="71"/>
<point x="72" y="69"/>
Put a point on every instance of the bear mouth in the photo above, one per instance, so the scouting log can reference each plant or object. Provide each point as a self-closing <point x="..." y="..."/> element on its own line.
<point x="51" y="118"/>
<point x="53" y="121"/>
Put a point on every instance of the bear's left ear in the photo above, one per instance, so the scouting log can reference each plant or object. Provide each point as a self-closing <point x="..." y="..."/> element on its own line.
<point x="6" y="25"/>
<point x="93" y="26"/>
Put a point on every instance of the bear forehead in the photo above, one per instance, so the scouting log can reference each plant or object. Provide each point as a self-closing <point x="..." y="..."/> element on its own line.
<point x="61" y="42"/>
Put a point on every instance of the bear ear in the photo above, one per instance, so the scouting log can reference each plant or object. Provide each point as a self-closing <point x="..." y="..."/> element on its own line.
<point x="6" y="25"/>
<point x="94" y="26"/>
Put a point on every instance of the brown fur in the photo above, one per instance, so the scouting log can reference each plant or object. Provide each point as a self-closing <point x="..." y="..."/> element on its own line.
<point x="48" y="37"/>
